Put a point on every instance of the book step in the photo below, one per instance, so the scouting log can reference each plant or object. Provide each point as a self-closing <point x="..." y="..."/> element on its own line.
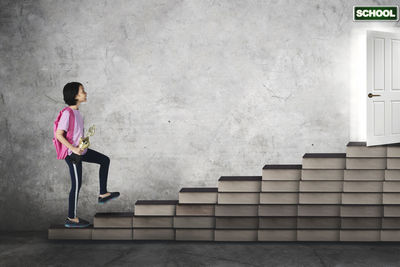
<point x="279" y="197"/>
<point x="359" y="174"/>
<point x="390" y="235"/>
<point x="322" y="210"/>
<point x="192" y="195"/>
<point x="360" y="150"/>
<point x="393" y="163"/>
<point x="392" y="175"/>
<point x="324" y="161"/>
<point x="129" y="220"/>
<point x="322" y="174"/>
<point x="282" y="172"/>
<point x="363" y="186"/>
<point x="197" y="222"/>
<point x="279" y="186"/>
<point x="350" y="174"/>
<point x="277" y="235"/>
<point x="313" y="222"/>
<point x="318" y="209"/>
<point x="364" y="235"/>
<point x="153" y="222"/>
<point x="320" y="198"/>
<point x="359" y="156"/>
<point x="236" y="222"/>
<point x="322" y="235"/>
<point x="391" y="210"/>
<point x="195" y="210"/>
<point x="328" y="191"/>
<point x="372" y="174"/>
<point x="238" y="198"/>
<point x="366" y="163"/>
<point x="58" y="232"/>
<point x="350" y="235"/>
<point x="319" y="235"/>
<point x="318" y="222"/>
<point x="362" y="198"/>
<point x="358" y="210"/>
<point x="154" y="234"/>
<point x="236" y="210"/>
<point x="393" y="150"/>
<point x="194" y="234"/>
<point x="239" y="184"/>
<point x="258" y="222"/>
<point x="321" y="186"/>
<point x="391" y="186"/>
<point x="361" y="223"/>
<point x="113" y="220"/>
<point x="155" y="207"/>
<point x="112" y="234"/>
<point x="277" y="223"/>
<point x="278" y="210"/>
<point x="232" y="235"/>
<point x="211" y="196"/>
<point x="391" y="198"/>
<point x="390" y="223"/>
<point x="329" y="235"/>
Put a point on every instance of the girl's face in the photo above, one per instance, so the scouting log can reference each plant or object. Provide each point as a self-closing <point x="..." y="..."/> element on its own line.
<point x="81" y="96"/>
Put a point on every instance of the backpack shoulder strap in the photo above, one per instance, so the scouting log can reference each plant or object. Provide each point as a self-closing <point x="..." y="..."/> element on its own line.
<point x="71" y="124"/>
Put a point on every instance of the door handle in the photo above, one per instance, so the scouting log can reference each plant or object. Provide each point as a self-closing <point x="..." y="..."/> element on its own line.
<point x="371" y="95"/>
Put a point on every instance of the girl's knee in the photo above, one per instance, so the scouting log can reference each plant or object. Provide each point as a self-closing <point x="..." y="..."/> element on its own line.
<point x="106" y="160"/>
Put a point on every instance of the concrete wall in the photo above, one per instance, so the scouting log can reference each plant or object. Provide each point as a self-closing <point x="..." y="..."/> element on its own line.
<point x="181" y="92"/>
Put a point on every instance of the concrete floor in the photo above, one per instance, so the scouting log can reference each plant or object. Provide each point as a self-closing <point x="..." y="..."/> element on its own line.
<point x="33" y="249"/>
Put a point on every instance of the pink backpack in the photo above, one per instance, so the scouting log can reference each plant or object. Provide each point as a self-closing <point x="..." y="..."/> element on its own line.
<point x="62" y="151"/>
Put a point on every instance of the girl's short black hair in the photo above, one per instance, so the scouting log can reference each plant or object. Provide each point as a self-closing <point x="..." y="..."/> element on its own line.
<point x="70" y="91"/>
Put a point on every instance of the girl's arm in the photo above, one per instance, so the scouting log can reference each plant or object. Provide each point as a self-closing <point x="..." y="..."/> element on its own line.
<point x="64" y="141"/>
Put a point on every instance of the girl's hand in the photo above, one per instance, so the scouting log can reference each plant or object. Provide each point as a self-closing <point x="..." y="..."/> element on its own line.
<point x="77" y="150"/>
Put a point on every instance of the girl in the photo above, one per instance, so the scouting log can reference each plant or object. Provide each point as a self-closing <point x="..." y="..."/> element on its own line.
<point x="74" y="95"/>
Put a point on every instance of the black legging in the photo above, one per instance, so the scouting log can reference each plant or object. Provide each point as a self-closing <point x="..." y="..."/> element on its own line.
<point x="76" y="176"/>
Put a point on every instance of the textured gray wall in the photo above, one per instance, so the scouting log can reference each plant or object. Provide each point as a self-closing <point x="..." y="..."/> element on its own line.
<point x="181" y="92"/>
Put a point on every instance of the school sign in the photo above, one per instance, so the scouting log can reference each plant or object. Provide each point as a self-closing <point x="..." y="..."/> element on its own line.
<point x="375" y="13"/>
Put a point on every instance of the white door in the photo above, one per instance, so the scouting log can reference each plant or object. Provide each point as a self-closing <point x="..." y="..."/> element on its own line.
<point x="383" y="88"/>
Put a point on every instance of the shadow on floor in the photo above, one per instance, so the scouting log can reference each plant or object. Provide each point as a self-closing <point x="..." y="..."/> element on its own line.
<point x="34" y="249"/>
